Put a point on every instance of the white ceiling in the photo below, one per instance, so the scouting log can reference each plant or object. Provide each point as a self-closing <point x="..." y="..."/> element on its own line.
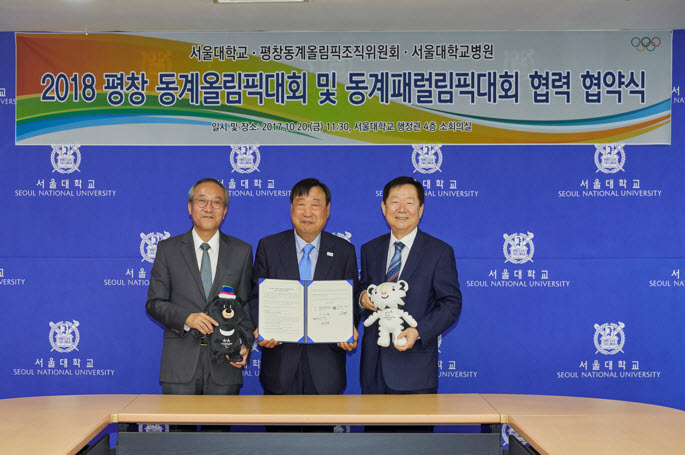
<point x="138" y="15"/>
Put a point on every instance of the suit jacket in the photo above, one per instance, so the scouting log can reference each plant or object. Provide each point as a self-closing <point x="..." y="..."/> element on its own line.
<point x="176" y="291"/>
<point x="433" y="299"/>
<point x="276" y="257"/>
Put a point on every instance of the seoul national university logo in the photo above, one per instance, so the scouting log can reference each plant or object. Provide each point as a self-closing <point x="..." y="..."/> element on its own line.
<point x="148" y="244"/>
<point x="518" y="248"/>
<point x="65" y="158"/>
<point x="609" y="338"/>
<point x="344" y="235"/>
<point x="245" y="158"/>
<point x="609" y="159"/>
<point x="2" y="92"/>
<point x="426" y="158"/>
<point x="64" y="336"/>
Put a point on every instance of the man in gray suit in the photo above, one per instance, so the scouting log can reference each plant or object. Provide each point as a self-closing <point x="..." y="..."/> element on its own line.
<point x="188" y="272"/>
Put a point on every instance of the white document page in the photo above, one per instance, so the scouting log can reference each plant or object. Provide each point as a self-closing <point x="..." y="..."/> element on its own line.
<point x="281" y="310"/>
<point x="329" y="316"/>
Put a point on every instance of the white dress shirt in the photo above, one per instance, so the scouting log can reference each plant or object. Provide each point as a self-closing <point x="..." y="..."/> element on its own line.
<point x="313" y="255"/>
<point x="408" y="241"/>
<point x="213" y="251"/>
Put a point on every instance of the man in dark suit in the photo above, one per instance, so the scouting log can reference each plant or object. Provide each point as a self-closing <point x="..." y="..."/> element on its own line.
<point x="189" y="271"/>
<point x="304" y="369"/>
<point x="433" y="298"/>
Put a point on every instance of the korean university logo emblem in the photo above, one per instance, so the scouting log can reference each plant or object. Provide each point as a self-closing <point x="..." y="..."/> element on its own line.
<point x="609" y="338"/>
<point x="518" y="248"/>
<point x="64" y="336"/>
<point x="439" y="343"/>
<point x="426" y="158"/>
<point x="65" y="158"/>
<point x="609" y="159"/>
<point x="344" y="235"/>
<point x="245" y="159"/>
<point x="148" y="244"/>
<point x="2" y="92"/>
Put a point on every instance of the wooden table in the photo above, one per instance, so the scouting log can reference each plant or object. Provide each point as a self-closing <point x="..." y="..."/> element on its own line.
<point x="55" y="425"/>
<point x="602" y="434"/>
<point x="591" y="426"/>
<point x="311" y="409"/>
<point x="553" y="425"/>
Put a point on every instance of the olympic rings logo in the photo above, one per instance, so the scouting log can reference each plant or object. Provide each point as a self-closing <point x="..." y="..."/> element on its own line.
<point x="645" y="43"/>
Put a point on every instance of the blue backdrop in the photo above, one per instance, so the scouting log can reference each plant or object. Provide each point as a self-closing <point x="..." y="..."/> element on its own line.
<point x="590" y="305"/>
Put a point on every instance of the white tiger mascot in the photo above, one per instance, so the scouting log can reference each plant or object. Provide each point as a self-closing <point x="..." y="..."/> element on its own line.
<point x="388" y="298"/>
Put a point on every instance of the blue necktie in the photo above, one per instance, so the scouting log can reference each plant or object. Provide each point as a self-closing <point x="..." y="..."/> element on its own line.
<point x="306" y="263"/>
<point x="393" y="272"/>
<point x="206" y="270"/>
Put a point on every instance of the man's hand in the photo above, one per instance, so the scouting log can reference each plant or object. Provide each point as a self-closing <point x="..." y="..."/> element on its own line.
<point x="266" y="343"/>
<point x="244" y="352"/>
<point x="366" y="302"/>
<point x="411" y="334"/>
<point x="202" y="322"/>
<point x="350" y="346"/>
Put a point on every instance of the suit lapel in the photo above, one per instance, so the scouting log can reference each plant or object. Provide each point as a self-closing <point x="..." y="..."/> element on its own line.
<point x="381" y="257"/>
<point x="188" y="251"/>
<point x="324" y="261"/>
<point x="288" y="257"/>
<point x="417" y="250"/>
<point x="221" y="269"/>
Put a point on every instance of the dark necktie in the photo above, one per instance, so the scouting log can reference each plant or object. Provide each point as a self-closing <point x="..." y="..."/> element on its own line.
<point x="206" y="270"/>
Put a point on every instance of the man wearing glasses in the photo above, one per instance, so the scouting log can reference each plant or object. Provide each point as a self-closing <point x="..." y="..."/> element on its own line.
<point x="189" y="271"/>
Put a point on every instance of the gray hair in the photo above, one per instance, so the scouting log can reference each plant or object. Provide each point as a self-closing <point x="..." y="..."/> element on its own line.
<point x="191" y="193"/>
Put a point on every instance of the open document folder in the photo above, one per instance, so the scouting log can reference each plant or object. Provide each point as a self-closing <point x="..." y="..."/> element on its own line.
<point x="292" y="311"/>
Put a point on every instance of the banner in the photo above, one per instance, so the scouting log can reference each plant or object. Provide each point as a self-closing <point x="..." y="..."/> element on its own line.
<point x="344" y="88"/>
<point x="571" y="258"/>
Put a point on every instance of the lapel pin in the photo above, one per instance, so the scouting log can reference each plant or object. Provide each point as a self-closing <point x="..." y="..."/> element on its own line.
<point x="328" y="253"/>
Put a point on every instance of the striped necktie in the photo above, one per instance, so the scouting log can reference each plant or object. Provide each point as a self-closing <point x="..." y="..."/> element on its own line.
<point x="393" y="272"/>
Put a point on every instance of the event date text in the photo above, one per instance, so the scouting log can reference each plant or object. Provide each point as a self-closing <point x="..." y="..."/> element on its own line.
<point x="313" y="127"/>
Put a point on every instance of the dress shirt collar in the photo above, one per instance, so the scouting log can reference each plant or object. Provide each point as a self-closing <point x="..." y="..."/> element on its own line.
<point x="407" y="240"/>
<point x="213" y="242"/>
<point x="300" y="243"/>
